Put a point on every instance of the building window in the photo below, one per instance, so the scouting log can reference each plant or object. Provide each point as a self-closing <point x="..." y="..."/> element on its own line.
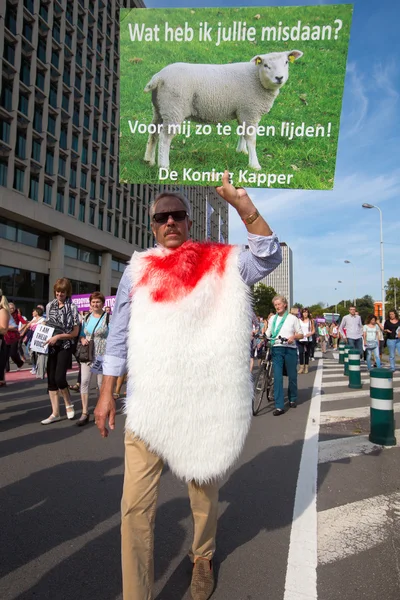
<point x="60" y="201"/>
<point x="67" y="75"/>
<point x="51" y="125"/>
<point x="36" y="148"/>
<point x="130" y="234"/>
<point x="15" y="232"/>
<point x="55" y="59"/>
<point x="69" y="14"/>
<point x="91" y="214"/>
<point x="94" y="157"/>
<point x="25" y="72"/>
<point x="49" y="162"/>
<point x="63" y="137"/>
<point x="124" y="230"/>
<point x="72" y="177"/>
<point x="3" y="173"/>
<point x="102" y="188"/>
<point x="82" y="211"/>
<point x="93" y="188"/>
<point x="44" y="12"/>
<point x="97" y="100"/>
<point x="37" y="119"/>
<point x="19" y="179"/>
<point x="48" y="190"/>
<point x="4" y="131"/>
<point x="83" y="179"/>
<point x="109" y="222"/>
<point x="23" y="104"/>
<point x="84" y="154"/>
<point x="11" y="20"/>
<point x="71" y="205"/>
<point x="103" y="166"/>
<point x="27" y="31"/>
<point x="56" y="32"/>
<point x="104" y="136"/>
<point x="68" y="39"/>
<point x="86" y="120"/>
<point x="78" y="81"/>
<point x="101" y="219"/>
<point x="20" y="146"/>
<point x="34" y="188"/>
<point x="41" y="51"/>
<point x="29" y="5"/>
<point x="53" y="96"/>
<point x="9" y="52"/>
<point x="6" y="95"/>
<point x="40" y="80"/>
<point x="75" y="118"/>
<point x="65" y="102"/>
<point x="62" y="164"/>
<point x="75" y="142"/>
<point x="116" y="228"/>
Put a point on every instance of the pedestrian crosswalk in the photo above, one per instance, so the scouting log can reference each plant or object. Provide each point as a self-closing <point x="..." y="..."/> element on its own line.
<point x="355" y="517"/>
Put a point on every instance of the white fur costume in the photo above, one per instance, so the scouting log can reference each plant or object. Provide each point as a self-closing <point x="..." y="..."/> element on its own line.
<point x="188" y="358"/>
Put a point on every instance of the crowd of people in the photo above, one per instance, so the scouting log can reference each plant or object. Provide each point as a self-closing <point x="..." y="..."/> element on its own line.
<point x="79" y="335"/>
<point x="304" y="334"/>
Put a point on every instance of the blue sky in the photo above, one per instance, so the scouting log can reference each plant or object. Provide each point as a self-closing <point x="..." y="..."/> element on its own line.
<point x="326" y="228"/>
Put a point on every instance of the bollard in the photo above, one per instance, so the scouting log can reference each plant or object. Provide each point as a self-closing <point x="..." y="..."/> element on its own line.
<point x="382" y="414"/>
<point x="354" y="369"/>
<point x="346" y="360"/>
<point x="341" y="353"/>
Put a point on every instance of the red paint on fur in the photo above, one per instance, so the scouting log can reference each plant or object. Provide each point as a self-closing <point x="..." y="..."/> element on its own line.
<point x="176" y="273"/>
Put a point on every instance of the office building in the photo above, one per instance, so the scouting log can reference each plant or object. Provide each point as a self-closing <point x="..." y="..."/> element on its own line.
<point x="63" y="211"/>
<point x="282" y="278"/>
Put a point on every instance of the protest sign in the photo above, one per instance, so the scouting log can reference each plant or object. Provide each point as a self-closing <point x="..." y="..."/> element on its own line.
<point x="255" y="90"/>
<point x="40" y="336"/>
<point x="82" y="302"/>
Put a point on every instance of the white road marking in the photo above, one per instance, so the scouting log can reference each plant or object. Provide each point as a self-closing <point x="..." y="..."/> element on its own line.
<point x="349" y="395"/>
<point x="353" y="528"/>
<point x="364" y="381"/>
<point x="330" y="375"/>
<point x="301" y="573"/>
<point x="335" y="416"/>
<point x="355" y="445"/>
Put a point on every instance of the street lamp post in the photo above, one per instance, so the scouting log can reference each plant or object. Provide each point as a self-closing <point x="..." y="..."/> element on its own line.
<point x="343" y="300"/>
<point x="366" y="205"/>
<point x="348" y="262"/>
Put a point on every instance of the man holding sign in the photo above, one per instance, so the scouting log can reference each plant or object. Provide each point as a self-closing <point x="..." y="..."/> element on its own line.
<point x="191" y="410"/>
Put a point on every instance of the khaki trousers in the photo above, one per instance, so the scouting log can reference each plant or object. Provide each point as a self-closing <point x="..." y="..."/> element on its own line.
<point x="138" y="508"/>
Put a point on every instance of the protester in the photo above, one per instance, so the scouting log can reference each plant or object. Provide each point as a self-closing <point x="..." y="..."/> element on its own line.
<point x="351" y="330"/>
<point x="323" y="336"/>
<point x="95" y="327"/>
<point x="4" y="321"/>
<point x="29" y="330"/>
<point x="391" y="328"/>
<point x="63" y="316"/>
<point x="257" y="341"/>
<point x="334" y="333"/>
<point x="12" y="336"/>
<point x="313" y="339"/>
<point x="371" y="340"/>
<point x="287" y="326"/>
<point x="304" y="345"/>
<point x="193" y="409"/>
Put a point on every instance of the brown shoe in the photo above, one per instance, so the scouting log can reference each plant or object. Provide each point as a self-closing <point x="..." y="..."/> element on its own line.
<point x="202" y="585"/>
<point x="306" y="369"/>
<point x="301" y="369"/>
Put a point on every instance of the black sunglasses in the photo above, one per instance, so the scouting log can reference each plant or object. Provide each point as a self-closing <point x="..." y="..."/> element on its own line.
<point x="177" y="215"/>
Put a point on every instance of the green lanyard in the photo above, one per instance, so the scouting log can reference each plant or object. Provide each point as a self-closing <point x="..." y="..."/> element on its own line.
<point x="276" y="330"/>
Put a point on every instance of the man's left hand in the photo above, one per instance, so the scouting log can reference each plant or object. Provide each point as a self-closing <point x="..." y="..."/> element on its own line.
<point x="236" y="197"/>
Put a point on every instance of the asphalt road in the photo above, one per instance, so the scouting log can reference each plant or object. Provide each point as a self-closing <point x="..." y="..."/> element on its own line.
<point x="60" y="495"/>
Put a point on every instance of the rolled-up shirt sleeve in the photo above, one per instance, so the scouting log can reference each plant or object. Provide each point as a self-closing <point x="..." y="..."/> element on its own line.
<point x="264" y="256"/>
<point x="114" y="361"/>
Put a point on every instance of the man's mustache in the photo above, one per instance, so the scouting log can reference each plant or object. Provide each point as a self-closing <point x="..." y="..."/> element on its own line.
<point x="170" y="230"/>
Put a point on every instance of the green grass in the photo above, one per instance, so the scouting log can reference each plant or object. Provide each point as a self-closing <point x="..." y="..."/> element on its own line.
<point x="317" y="77"/>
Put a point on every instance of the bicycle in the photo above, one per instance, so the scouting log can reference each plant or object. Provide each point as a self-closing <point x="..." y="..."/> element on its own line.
<point x="264" y="383"/>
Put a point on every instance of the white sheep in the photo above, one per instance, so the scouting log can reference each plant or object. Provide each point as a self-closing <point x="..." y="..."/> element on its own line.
<point x="213" y="94"/>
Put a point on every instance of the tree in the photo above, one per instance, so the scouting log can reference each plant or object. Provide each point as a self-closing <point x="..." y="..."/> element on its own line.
<point x="263" y="295"/>
<point x="317" y="309"/>
<point x="392" y="289"/>
<point x="298" y="305"/>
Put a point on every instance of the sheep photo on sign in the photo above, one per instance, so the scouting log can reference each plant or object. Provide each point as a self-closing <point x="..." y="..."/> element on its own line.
<point x="257" y="90"/>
